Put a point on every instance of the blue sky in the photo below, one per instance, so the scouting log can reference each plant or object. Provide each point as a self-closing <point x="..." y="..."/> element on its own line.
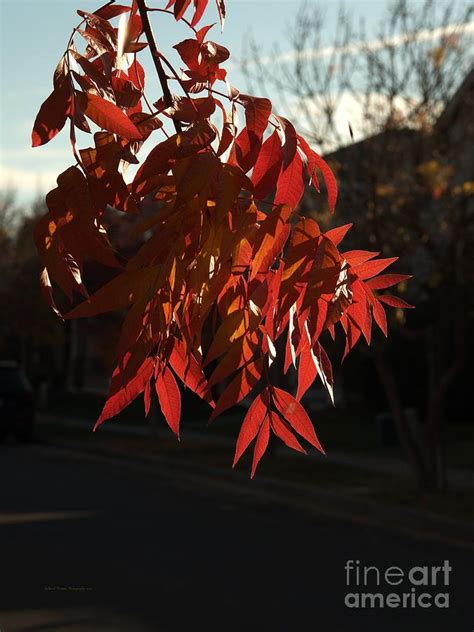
<point x="34" y="35"/>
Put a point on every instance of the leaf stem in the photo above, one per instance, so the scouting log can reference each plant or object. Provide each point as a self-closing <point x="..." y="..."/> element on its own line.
<point x="143" y="10"/>
<point x="176" y="76"/>
<point x="236" y="99"/>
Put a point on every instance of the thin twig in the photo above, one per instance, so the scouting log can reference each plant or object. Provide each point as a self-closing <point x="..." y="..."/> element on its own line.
<point x="157" y="60"/>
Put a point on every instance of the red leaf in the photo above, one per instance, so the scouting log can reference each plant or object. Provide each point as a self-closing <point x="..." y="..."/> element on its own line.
<point x="324" y="367"/>
<point x="52" y="115"/>
<point x="316" y="162"/>
<point x="281" y="429"/>
<point x="189" y="372"/>
<point x="238" y="354"/>
<point x="267" y="168"/>
<point x="136" y="74"/>
<point x="352" y="336"/>
<point x="356" y="257"/>
<point x="394" y="301"/>
<point x="380" y="316"/>
<point x="100" y="43"/>
<point x="189" y="50"/>
<point x="329" y="179"/>
<point x="359" y="311"/>
<point x="47" y="292"/>
<point x="94" y="71"/>
<point x="325" y="272"/>
<point x="257" y="112"/>
<point x="261" y="444"/>
<point x="290" y="142"/>
<point x="371" y="268"/>
<point x="297" y="417"/>
<point x="119" y="293"/>
<point x="130" y="391"/>
<point x="318" y="319"/>
<point x="147" y="398"/>
<point x="386" y="280"/>
<point x="336" y="235"/>
<point x="221" y="9"/>
<point x="169" y="398"/>
<point x="271" y="238"/>
<point x="290" y="354"/>
<point x="290" y="186"/>
<point x="201" y="34"/>
<point x="232" y="328"/>
<point x="247" y="147"/>
<point x="251" y="424"/>
<point x="200" y="8"/>
<point x="180" y="8"/>
<point x="307" y="371"/>
<point x="107" y="115"/>
<point x="157" y="161"/>
<point x="126" y="94"/>
<point x="239" y="387"/>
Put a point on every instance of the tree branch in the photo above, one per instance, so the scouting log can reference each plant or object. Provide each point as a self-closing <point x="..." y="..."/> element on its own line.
<point x="157" y="60"/>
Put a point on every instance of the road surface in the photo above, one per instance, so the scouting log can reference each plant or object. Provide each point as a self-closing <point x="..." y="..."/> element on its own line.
<point x="90" y="544"/>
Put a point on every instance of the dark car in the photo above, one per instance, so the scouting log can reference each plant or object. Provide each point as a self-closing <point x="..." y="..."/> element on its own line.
<point x="16" y="403"/>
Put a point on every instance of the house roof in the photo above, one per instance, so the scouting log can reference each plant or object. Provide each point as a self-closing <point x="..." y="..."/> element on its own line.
<point x="400" y="135"/>
<point x="457" y="102"/>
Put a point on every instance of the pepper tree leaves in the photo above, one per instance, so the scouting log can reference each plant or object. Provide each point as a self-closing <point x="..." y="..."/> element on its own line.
<point x="227" y="272"/>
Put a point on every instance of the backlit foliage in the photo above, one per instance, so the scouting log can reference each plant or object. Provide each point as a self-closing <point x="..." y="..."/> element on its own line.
<point x="229" y="266"/>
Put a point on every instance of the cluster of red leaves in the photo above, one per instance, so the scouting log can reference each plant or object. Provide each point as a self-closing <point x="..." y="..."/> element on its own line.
<point x="230" y="266"/>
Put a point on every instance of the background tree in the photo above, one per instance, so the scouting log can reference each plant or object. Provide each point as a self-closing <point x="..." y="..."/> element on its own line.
<point x="29" y="332"/>
<point x="407" y="96"/>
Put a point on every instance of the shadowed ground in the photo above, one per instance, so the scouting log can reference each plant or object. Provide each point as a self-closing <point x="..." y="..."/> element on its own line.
<point x="97" y="544"/>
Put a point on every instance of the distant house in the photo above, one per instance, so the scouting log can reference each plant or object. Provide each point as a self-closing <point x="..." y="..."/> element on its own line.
<point x="455" y="133"/>
<point x="373" y="167"/>
<point x="410" y="193"/>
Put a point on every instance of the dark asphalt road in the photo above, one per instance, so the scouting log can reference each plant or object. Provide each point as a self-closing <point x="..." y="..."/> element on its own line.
<point x="86" y="545"/>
